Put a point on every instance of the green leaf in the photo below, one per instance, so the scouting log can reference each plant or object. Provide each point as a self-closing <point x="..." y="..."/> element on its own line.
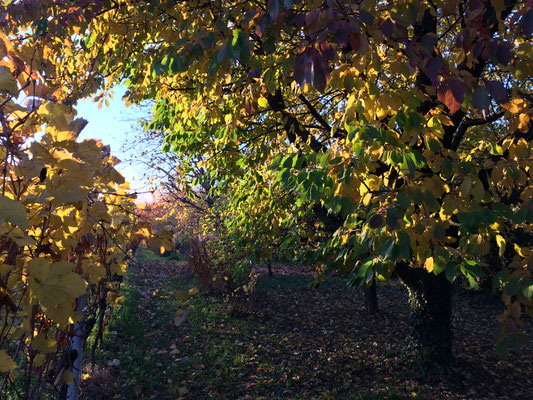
<point x="502" y="347"/>
<point x="414" y="121"/>
<point x="433" y="145"/>
<point x="502" y="210"/>
<point x="357" y="149"/>
<point x="404" y="244"/>
<point x="363" y="274"/>
<point x="511" y="288"/>
<point x="438" y="266"/>
<point x="473" y="268"/>
<point x="335" y="161"/>
<point x="418" y="159"/>
<point x="393" y="215"/>
<point x="384" y="249"/>
<point x="451" y="271"/>
<point x="499" y="279"/>
<point x="439" y="232"/>
<point x="400" y="119"/>
<point x="527" y="289"/>
<point x="276" y="162"/>
<point x="376" y="221"/>
<point x="315" y="193"/>
<point x="418" y="196"/>
<point x="480" y="99"/>
<point x="520" y="216"/>
<point x="403" y="200"/>
<point x="408" y="164"/>
<point x="347" y="206"/>
<point x="287" y="161"/>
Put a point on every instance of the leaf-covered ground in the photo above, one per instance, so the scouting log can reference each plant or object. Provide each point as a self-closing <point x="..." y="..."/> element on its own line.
<point x="299" y="342"/>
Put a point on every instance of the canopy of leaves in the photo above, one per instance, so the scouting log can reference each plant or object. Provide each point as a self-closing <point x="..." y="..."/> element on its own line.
<point x="366" y="133"/>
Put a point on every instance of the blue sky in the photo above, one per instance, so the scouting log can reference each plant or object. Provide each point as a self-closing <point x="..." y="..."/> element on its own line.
<point x="115" y="125"/>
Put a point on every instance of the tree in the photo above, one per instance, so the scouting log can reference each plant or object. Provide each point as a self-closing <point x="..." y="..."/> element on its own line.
<point x="65" y="217"/>
<point x="400" y="129"/>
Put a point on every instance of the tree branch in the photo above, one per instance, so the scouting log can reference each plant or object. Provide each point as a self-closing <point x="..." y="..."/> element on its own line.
<point x="461" y="130"/>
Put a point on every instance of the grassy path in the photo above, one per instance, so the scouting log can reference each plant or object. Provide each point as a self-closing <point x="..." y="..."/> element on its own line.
<point x="299" y="343"/>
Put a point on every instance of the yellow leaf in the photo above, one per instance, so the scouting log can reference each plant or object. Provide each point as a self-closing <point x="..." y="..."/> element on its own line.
<point x="501" y="244"/>
<point x="522" y="251"/>
<point x="8" y="84"/>
<point x="374" y="182"/>
<point x="3" y="46"/>
<point x="181" y="295"/>
<point x="118" y="268"/>
<point x="39" y="360"/>
<point x="6" y="362"/>
<point x="54" y="284"/>
<point x="4" y="268"/>
<point x="523" y="123"/>
<point x="428" y="264"/>
<point x="112" y="175"/>
<point x="445" y="120"/>
<point x="93" y="270"/>
<point x="70" y="191"/>
<point x="180" y="317"/>
<point x="63" y="135"/>
<point x="67" y="377"/>
<point x="449" y="207"/>
<point x="193" y="291"/>
<point x="63" y="314"/>
<point x="44" y="344"/>
<point x="515" y="105"/>
<point x="263" y="102"/>
<point x="14" y="212"/>
<point x="522" y="148"/>
<point x="89" y="152"/>
<point x="99" y="212"/>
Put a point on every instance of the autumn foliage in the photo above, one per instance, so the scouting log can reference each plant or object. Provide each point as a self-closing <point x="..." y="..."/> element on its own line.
<point x="374" y="139"/>
<point x="65" y="219"/>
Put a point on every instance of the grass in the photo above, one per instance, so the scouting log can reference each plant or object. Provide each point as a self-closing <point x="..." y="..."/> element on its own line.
<point x="214" y="355"/>
<point x="129" y="336"/>
<point x="300" y="342"/>
<point x="145" y="254"/>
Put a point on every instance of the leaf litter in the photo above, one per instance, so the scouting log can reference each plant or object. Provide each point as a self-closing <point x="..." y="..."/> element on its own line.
<point x="298" y="342"/>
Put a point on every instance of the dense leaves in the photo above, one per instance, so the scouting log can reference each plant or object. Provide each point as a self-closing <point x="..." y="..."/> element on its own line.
<point x="371" y="138"/>
<point x="65" y="218"/>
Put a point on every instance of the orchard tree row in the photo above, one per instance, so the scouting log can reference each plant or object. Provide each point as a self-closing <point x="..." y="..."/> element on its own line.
<point x="376" y="139"/>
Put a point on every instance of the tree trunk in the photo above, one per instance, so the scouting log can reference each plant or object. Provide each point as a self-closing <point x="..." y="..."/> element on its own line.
<point x="269" y="266"/>
<point x="430" y="300"/>
<point x="371" y="298"/>
<point x="77" y="346"/>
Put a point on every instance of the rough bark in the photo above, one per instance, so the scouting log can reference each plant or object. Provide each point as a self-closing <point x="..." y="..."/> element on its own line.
<point x="430" y="300"/>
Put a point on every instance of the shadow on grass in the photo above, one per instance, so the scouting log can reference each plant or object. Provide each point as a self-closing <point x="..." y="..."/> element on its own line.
<point x="301" y="342"/>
